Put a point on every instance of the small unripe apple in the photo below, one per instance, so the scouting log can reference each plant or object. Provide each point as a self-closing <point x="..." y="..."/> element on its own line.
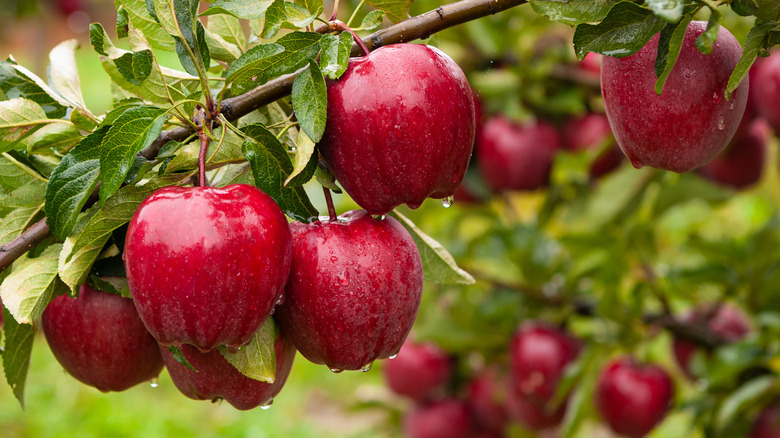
<point x="400" y="127"/>
<point x="691" y="121"/>
<point x="592" y="131"/>
<point x="448" y="418"/>
<point x="766" y="83"/>
<point x="418" y="370"/>
<point x="515" y="156"/>
<point x="354" y="290"/>
<point x="741" y="164"/>
<point x="632" y="398"/>
<point x="766" y="424"/>
<point x="100" y="340"/>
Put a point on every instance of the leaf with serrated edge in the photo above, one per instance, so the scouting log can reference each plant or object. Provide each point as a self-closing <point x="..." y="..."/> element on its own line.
<point x="15" y="84"/>
<point x="623" y="32"/>
<point x="229" y="28"/>
<point x="14" y="174"/>
<point x="25" y="196"/>
<point x="220" y="49"/>
<point x="396" y="10"/>
<point x="245" y="9"/>
<point x="311" y="5"/>
<point x="54" y="136"/>
<point x="43" y="85"/>
<point x="72" y="182"/>
<point x="310" y="101"/>
<point x="16" y="355"/>
<point x="573" y="12"/>
<point x="220" y="152"/>
<point x="134" y="130"/>
<point x="303" y="152"/>
<point x="669" y="10"/>
<point x="334" y="57"/>
<point x="141" y="19"/>
<point x="22" y="217"/>
<point x="114" y="285"/>
<point x="257" y="360"/>
<point x="669" y="46"/>
<point x="371" y="21"/>
<point x="29" y="284"/>
<point x="166" y="15"/>
<point x="73" y="267"/>
<point x="18" y="118"/>
<point x="438" y="265"/>
<point x="63" y="75"/>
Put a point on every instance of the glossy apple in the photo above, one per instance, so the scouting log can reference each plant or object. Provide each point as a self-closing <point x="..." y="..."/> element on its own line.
<point x="592" y="131"/>
<point x="217" y="379"/>
<point x="741" y="164"/>
<point x="354" y="290"/>
<point x="729" y="322"/>
<point x="766" y="424"/>
<point x="487" y="394"/>
<point x="448" y="418"/>
<point x="100" y="340"/>
<point x="766" y="83"/>
<point x="207" y="265"/>
<point x="418" y="370"/>
<point x="691" y="121"/>
<point x="514" y="156"/>
<point x="632" y="398"/>
<point x="400" y="127"/>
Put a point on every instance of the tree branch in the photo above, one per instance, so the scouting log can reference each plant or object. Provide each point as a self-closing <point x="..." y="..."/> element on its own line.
<point x="236" y="107"/>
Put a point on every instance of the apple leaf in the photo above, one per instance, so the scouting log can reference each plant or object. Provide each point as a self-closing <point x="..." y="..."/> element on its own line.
<point x="16" y="354"/>
<point x="283" y="13"/>
<point x="27" y="203"/>
<point x="438" y="265"/>
<point x="142" y="20"/>
<point x="73" y="267"/>
<point x="310" y="101"/>
<point x="72" y="182"/>
<point x="335" y="53"/>
<point x="178" y="356"/>
<point x="179" y="19"/>
<point x="745" y="398"/>
<point x="370" y="22"/>
<point x="228" y="28"/>
<point x="305" y="162"/>
<point x="134" y="130"/>
<point x="19" y="118"/>
<point x="122" y="22"/>
<point x="707" y="38"/>
<point x="245" y="9"/>
<point x="396" y="10"/>
<point x="669" y="46"/>
<point x="220" y="49"/>
<point x="669" y="10"/>
<point x="258" y="359"/>
<point x="14" y="174"/>
<point x="271" y="167"/>
<point x="113" y="285"/>
<point x="573" y="12"/>
<point x="63" y="74"/>
<point x="756" y="40"/>
<point x="227" y="149"/>
<point x="237" y="174"/>
<point x="15" y="84"/>
<point x="30" y="286"/>
<point x="313" y="6"/>
<point x="768" y="10"/>
<point x="580" y="405"/>
<point x="267" y="61"/>
<point x="626" y="29"/>
<point x="54" y="136"/>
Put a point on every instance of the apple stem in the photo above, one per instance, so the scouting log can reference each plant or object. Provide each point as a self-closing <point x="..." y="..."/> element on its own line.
<point x="329" y="201"/>
<point x="341" y="26"/>
<point x="335" y="10"/>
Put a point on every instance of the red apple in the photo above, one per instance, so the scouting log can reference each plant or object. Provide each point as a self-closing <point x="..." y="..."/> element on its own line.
<point x="691" y="121"/>
<point x="741" y="164"/>
<point x="532" y="414"/>
<point x="512" y="156"/>
<point x="207" y="265"/>
<point x="216" y="378"/>
<point x="729" y="322"/>
<point x="592" y="131"/>
<point x="766" y="85"/>
<point x="100" y="340"/>
<point x="400" y="127"/>
<point x="418" y="370"/>
<point x="592" y="62"/>
<point x="448" y="418"/>
<point x="487" y="394"/>
<point x="354" y="290"/>
<point x="766" y="424"/>
<point x="633" y="398"/>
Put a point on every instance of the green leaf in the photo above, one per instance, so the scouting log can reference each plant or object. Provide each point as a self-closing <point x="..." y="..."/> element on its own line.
<point x="310" y="101"/>
<point x="219" y="153"/>
<point x="141" y="19"/>
<point x="755" y="41"/>
<point x="768" y="10"/>
<point x="335" y="53"/>
<point x="220" y="49"/>
<point x="113" y="285"/>
<point x="40" y="83"/>
<point x="313" y="6"/>
<point x="73" y="267"/>
<point x="267" y="61"/>
<point x="28" y="289"/>
<point x="438" y="265"/>
<point x="370" y="22"/>
<point x="623" y="32"/>
<point x="122" y="22"/>
<point x="258" y="359"/>
<point x="72" y="182"/>
<point x="18" y="119"/>
<point x="16" y="355"/>
<point x="573" y="12"/>
<point x="199" y="48"/>
<point x="298" y="17"/>
<point x="135" y="67"/>
<point x="229" y="29"/>
<point x="270" y="167"/>
<point x="52" y="137"/>
<point x="245" y="9"/>
<point x="14" y="174"/>
<point x="274" y="17"/>
<point x="29" y="203"/>
<point x="305" y="162"/>
<point x="237" y="174"/>
<point x="63" y="74"/>
<point x="707" y="38"/>
<point x="178" y="356"/>
<point x="669" y="10"/>
<point x="326" y="179"/>
<point x="179" y="19"/>
<point x="744" y="398"/>
<point x="396" y="10"/>
<point x="669" y="45"/>
<point x="15" y="84"/>
<point x="744" y="8"/>
<point x="134" y="130"/>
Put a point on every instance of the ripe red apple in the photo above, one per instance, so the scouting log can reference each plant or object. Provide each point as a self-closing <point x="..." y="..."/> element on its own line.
<point x="100" y="340"/>
<point x="216" y="378"/>
<point x="400" y="127"/>
<point x="207" y="265"/>
<point x="448" y="418"/>
<point x="354" y="290"/>
<point x="592" y="62"/>
<point x="741" y="164"/>
<point x="512" y="156"/>
<point x="532" y="414"/>
<point x="633" y="398"/>
<point x="487" y="394"/>
<point x="418" y="370"/>
<point x="766" y="424"/>
<point x="729" y="322"/>
<point x="766" y="84"/>
<point x="592" y="131"/>
<point x="691" y="121"/>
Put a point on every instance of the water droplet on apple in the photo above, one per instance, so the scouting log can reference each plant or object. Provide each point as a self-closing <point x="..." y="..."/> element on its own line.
<point x="721" y="123"/>
<point x="154" y="383"/>
<point x="336" y="370"/>
<point x="447" y="202"/>
<point x="273" y="310"/>
<point x="366" y="368"/>
<point x="344" y="279"/>
<point x="393" y="356"/>
<point x="280" y="301"/>
<point x="334" y="259"/>
<point x="267" y="405"/>
<point x="379" y="217"/>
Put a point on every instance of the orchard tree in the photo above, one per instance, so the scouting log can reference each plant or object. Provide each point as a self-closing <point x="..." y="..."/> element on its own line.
<point x="568" y="275"/>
